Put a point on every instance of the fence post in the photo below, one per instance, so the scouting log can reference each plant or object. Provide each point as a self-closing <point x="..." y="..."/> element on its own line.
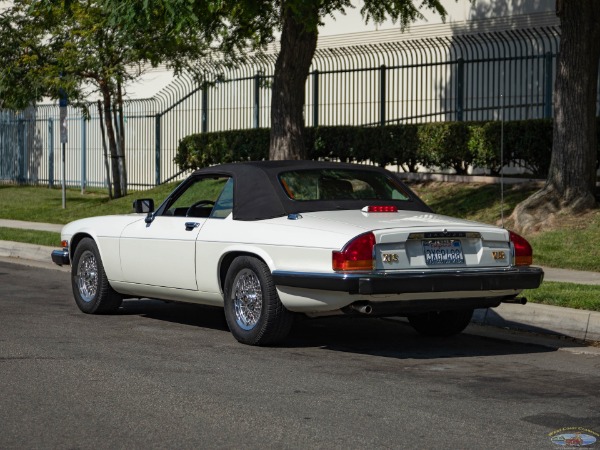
<point x="50" y="152"/>
<point x="21" y="155"/>
<point x="315" y="98"/>
<point x="548" y="85"/>
<point x="460" y="89"/>
<point x="83" y="155"/>
<point x="157" y="149"/>
<point x="382" y="94"/>
<point x="205" y="109"/>
<point x="257" y="100"/>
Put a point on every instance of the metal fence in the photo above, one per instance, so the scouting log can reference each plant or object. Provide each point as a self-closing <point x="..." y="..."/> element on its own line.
<point x="470" y="77"/>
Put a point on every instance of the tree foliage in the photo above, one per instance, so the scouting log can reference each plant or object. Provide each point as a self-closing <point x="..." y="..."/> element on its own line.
<point x="234" y="29"/>
<point x="74" y="46"/>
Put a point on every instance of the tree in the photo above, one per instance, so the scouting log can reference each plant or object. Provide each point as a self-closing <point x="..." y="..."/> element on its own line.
<point x="299" y="21"/>
<point x="571" y="182"/>
<point x="51" y="46"/>
<point x="233" y="28"/>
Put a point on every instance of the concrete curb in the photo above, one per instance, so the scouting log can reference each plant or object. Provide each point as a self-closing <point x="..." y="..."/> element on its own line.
<point x="543" y="319"/>
<point x="571" y="276"/>
<point x="21" y="250"/>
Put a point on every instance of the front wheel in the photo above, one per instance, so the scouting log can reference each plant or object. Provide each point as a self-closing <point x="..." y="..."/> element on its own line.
<point x="441" y="323"/>
<point x="254" y="313"/>
<point x="93" y="294"/>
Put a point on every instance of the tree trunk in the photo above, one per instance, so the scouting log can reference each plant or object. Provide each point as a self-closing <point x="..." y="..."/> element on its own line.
<point x="112" y="142"/>
<point x="573" y="165"/>
<point x="120" y="124"/>
<point x="571" y="182"/>
<point x="298" y="43"/>
<point x="108" y="182"/>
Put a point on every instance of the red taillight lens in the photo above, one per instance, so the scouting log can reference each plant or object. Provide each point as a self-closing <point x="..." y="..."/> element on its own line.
<point x="356" y="254"/>
<point x="523" y="250"/>
<point x="383" y="208"/>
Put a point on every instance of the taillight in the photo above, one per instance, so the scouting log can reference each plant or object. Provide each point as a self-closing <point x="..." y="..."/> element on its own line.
<point x="380" y="208"/>
<point x="523" y="250"/>
<point x="356" y="254"/>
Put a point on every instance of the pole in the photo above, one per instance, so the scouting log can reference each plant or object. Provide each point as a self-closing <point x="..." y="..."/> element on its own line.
<point x="63" y="102"/>
<point x="64" y="176"/>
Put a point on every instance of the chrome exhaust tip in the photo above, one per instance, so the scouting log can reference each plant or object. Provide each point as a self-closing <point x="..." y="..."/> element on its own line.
<point x="518" y="301"/>
<point x="362" y="308"/>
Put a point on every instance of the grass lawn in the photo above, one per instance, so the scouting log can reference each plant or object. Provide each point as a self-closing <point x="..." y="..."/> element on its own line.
<point x="30" y="236"/>
<point x="570" y="295"/>
<point x="41" y="204"/>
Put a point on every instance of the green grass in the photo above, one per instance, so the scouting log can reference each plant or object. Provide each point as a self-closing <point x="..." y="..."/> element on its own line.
<point x="569" y="295"/>
<point x="570" y="248"/>
<point x="30" y="236"/>
<point x="39" y="204"/>
<point x="480" y="202"/>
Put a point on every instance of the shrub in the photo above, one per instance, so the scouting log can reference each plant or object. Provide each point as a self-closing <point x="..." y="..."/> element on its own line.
<point x="446" y="145"/>
<point x="455" y="145"/>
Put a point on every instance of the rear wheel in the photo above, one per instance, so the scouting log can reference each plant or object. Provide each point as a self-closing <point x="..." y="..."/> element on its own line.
<point x="441" y="323"/>
<point x="93" y="294"/>
<point x="254" y="313"/>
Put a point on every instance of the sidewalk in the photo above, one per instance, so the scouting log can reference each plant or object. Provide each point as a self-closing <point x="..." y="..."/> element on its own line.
<point x="543" y="319"/>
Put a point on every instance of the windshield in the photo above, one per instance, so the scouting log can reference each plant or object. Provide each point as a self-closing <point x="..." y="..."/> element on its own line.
<point x="340" y="184"/>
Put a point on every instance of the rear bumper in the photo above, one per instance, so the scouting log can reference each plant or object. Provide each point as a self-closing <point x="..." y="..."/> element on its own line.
<point x="61" y="257"/>
<point x="372" y="283"/>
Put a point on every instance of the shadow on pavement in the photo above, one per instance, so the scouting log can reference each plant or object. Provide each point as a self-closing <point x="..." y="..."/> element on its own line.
<point x="371" y="336"/>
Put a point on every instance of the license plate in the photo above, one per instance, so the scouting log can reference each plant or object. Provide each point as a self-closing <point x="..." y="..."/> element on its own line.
<point x="442" y="252"/>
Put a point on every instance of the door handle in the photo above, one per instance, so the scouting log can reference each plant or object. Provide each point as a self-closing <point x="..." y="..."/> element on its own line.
<point x="189" y="226"/>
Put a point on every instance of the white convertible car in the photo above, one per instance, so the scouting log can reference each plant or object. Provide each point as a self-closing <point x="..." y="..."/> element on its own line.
<point x="274" y="239"/>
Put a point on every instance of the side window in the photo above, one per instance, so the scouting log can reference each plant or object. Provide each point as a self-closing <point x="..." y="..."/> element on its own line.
<point x="224" y="204"/>
<point x="199" y="198"/>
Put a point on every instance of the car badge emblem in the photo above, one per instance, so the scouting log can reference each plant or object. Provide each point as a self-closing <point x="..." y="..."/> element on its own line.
<point x="499" y="255"/>
<point x="389" y="258"/>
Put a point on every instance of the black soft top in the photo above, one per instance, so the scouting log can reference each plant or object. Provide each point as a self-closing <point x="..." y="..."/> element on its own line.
<point x="258" y="193"/>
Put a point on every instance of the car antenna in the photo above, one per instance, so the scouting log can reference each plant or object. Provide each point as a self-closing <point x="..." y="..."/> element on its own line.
<point x="502" y="149"/>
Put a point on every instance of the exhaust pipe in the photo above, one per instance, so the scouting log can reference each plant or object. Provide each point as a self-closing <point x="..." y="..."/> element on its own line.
<point x="362" y="308"/>
<point x="518" y="301"/>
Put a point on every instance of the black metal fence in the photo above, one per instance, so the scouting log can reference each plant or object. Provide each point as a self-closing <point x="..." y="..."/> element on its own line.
<point x="470" y="77"/>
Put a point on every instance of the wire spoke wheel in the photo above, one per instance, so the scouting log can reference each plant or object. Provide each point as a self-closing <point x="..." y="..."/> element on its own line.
<point x="247" y="299"/>
<point x="91" y="289"/>
<point x="87" y="276"/>
<point x="253" y="310"/>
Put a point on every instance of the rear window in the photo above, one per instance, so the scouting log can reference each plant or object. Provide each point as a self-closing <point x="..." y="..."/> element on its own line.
<point x="334" y="184"/>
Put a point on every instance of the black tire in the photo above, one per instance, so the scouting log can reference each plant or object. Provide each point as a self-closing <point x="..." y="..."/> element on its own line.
<point x="254" y="313"/>
<point x="441" y="323"/>
<point x="93" y="294"/>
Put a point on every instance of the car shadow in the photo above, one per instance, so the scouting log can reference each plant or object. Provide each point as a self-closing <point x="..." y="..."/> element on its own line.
<point x="368" y="336"/>
<point x="397" y="339"/>
<point x="181" y="313"/>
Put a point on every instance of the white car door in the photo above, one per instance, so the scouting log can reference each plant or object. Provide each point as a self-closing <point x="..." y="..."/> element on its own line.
<point x="163" y="252"/>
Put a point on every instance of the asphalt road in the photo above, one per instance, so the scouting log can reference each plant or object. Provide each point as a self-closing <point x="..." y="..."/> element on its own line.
<point x="161" y="375"/>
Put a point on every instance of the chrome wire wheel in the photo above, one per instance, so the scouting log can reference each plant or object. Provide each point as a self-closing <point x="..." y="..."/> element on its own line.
<point x="247" y="299"/>
<point x="87" y="276"/>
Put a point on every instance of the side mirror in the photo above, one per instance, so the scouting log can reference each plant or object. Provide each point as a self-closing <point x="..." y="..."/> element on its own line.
<point x="143" y="206"/>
